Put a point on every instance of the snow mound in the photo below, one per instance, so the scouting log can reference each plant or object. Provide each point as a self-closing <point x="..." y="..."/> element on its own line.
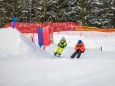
<point x="19" y="44"/>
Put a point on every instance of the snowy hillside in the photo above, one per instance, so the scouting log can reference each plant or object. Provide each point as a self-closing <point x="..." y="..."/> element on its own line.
<point x="23" y="63"/>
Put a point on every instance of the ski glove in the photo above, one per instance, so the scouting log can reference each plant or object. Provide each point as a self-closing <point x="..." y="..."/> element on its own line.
<point x="62" y="46"/>
<point x="58" y="44"/>
<point x="82" y="51"/>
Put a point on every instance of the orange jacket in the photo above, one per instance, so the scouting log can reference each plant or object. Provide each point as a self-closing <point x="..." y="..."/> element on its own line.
<point x="80" y="46"/>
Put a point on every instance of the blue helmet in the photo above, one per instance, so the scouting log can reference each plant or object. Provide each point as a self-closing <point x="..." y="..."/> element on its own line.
<point x="79" y="42"/>
<point x="63" y="38"/>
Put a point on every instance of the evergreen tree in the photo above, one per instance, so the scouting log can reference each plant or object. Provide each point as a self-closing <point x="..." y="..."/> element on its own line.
<point x="9" y="9"/>
<point x="102" y="13"/>
<point x="112" y="13"/>
<point x="98" y="13"/>
<point x="85" y="11"/>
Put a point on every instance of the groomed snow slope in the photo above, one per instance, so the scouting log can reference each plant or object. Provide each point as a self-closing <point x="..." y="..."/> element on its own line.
<point x="25" y="64"/>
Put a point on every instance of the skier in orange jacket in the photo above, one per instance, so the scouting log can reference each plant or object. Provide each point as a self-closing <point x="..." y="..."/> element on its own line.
<point x="80" y="48"/>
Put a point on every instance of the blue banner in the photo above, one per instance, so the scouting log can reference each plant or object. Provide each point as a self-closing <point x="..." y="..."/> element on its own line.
<point x="40" y="37"/>
<point x="14" y="21"/>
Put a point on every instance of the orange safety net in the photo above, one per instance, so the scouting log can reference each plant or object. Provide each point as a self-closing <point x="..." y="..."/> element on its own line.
<point x="85" y="28"/>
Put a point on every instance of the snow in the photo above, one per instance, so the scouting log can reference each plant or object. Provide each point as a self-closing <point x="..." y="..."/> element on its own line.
<point x="113" y="8"/>
<point x="15" y="43"/>
<point x="23" y="63"/>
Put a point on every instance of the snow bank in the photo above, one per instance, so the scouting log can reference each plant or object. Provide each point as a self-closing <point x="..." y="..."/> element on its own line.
<point x="14" y="43"/>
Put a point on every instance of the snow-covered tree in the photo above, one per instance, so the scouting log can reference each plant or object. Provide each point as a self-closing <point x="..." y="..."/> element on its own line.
<point x="112" y="13"/>
<point x="99" y="13"/>
<point x="9" y="9"/>
<point x="2" y="13"/>
<point x="102" y="13"/>
<point x="85" y="11"/>
<point x="28" y="11"/>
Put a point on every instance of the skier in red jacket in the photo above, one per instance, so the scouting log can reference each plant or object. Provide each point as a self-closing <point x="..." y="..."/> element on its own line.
<point x="79" y="48"/>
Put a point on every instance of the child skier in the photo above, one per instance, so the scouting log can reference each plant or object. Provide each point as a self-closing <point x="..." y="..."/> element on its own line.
<point x="61" y="45"/>
<point x="80" y="48"/>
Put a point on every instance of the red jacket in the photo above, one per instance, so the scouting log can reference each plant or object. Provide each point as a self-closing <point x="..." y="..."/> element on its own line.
<point x="80" y="46"/>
